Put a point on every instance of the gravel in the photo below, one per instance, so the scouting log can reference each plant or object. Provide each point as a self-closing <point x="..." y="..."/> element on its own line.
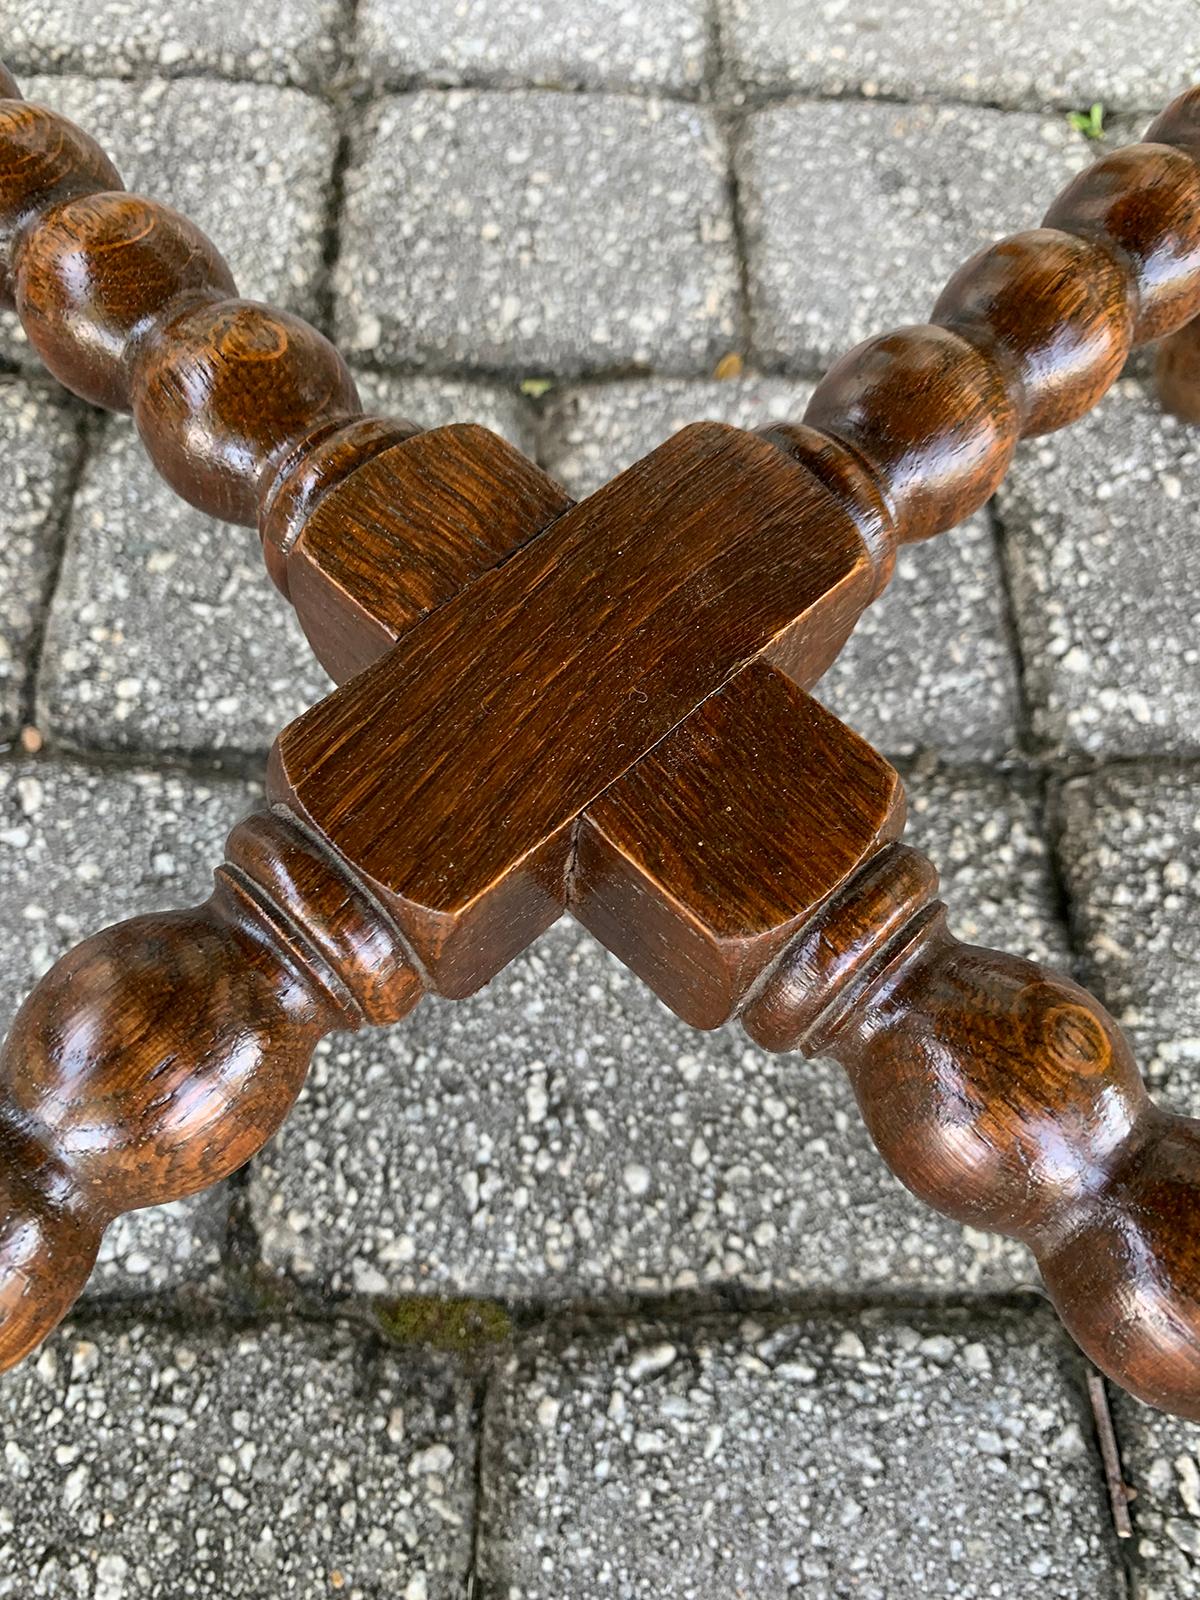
<point x="532" y="232"/>
<point x="857" y="214"/>
<point x="875" y="1455"/>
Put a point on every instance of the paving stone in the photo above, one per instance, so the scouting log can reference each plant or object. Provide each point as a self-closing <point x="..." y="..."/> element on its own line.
<point x="292" y="41"/>
<point x="1038" y="53"/>
<point x="1100" y="526"/>
<point x="39" y="446"/>
<point x="1131" y="857"/>
<point x="166" y="633"/>
<point x="930" y="666"/>
<point x="593" y="432"/>
<point x="195" y="1461"/>
<point x="610" y="44"/>
<point x="856" y="215"/>
<point x="437" y="402"/>
<point x="1160" y="1456"/>
<point x="80" y="849"/>
<point x="537" y="232"/>
<point x="561" y="1136"/>
<point x="872" y="1455"/>
<point x="249" y="165"/>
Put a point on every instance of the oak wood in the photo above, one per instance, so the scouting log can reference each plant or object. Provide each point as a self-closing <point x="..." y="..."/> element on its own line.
<point x="434" y="512"/>
<point x="1004" y="1096"/>
<point x="159" y="1055"/>
<point x="669" y="863"/>
<point x="598" y="706"/>
<point x="1178" y="372"/>
<point x="452" y="771"/>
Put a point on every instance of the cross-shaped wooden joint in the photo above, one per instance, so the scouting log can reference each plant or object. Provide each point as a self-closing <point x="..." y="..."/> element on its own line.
<point x="608" y="713"/>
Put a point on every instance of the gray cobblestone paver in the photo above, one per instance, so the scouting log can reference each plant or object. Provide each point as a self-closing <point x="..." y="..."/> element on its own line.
<point x="561" y="1135"/>
<point x="39" y="444"/>
<point x="609" y="44"/>
<point x="1100" y="526"/>
<point x="249" y="164"/>
<point x="874" y="1456"/>
<point x="193" y="1461"/>
<point x="79" y="849"/>
<point x="930" y="665"/>
<point x="1131" y="854"/>
<point x="1035" y="53"/>
<point x="918" y="190"/>
<point x="166" y="632"/>
<point x="531" y="232"/>
<point x="290" y="41"/>
<point x="593" y="432"/>
<point x="437" y="402"/>
<point x="1161" y="1461"/>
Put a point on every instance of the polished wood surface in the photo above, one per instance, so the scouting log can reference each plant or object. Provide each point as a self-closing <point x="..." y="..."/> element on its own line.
<point x="162" y="1053"/>
<point x="683" y="866"/>
<point x="452" y="772"/>
<point x="598" y="707"/>
<point x="1005" y="1096"/>
<point x="434" y="512"/>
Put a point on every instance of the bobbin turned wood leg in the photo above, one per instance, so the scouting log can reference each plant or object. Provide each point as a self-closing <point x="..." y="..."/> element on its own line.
<point x="1177" y="368"/>
<point x="587" y="706"/>
<point x="1001" y="1093"/>
<point x="161" y="1054"/>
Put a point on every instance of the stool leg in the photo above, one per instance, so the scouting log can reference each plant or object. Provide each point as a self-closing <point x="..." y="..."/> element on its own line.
<point x="1177" y="372"/>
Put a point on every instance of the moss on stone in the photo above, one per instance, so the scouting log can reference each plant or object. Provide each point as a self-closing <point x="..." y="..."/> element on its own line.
<point x="459" y="1326"/>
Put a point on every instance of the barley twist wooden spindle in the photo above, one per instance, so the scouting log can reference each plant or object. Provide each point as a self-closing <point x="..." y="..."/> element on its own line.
<point x="599" y="708"/>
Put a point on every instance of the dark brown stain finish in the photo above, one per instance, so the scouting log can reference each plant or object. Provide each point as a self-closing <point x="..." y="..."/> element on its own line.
<point x="598" y="707"/>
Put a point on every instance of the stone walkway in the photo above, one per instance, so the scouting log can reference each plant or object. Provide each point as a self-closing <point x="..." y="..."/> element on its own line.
<point x="541" y="1296"/>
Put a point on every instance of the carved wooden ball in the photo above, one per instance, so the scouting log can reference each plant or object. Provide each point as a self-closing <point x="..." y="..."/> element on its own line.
<point x="1124" y="1272"/>
<point x="1001" y="1103"/>
<point x="1179" y="123"/>
<point x="223" y="389"/>
<point x="44" y="158"/>
<point x="931" y="416"/>
<point x="1050" y="309"/>
<point x="141" y="1057"/>
<point x="47" y="1251"/>
<point x="96" y="273"/>
<point x="1142" y="204"/>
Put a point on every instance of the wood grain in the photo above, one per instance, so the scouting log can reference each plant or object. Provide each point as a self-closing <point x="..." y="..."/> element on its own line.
<point x="161" y="1054"/>
<point x="599" y="706"/>
<point x="434" y="513"/>
<point x="451" y="772"/>
<point x="670" y="863"/>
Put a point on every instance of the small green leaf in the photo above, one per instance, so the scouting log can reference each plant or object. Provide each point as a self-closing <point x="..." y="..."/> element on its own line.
<point x="535" y="388"/>
<point x="1089" y="123"/>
